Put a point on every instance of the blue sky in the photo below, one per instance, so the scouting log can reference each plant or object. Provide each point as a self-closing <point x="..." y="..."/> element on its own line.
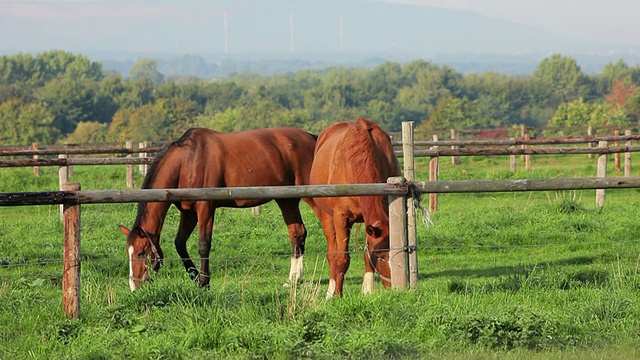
<point x="585" y="19"/>
<point x="106" y="25"/>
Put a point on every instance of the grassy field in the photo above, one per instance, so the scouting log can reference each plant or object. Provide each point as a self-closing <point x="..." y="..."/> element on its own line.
<point x="503" y="275"/>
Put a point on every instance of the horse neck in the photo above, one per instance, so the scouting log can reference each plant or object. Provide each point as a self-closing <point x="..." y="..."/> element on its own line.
<point x="368" y="168"/>
<point x="151" y="216"/>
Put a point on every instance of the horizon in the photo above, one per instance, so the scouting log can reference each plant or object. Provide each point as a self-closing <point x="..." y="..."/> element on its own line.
<point x="290" y="27"/>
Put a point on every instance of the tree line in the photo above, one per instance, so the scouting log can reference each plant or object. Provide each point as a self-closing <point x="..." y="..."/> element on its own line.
<point x="58" y="96"/>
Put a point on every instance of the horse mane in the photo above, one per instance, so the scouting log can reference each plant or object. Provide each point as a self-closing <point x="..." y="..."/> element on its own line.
<point x="361" y="151"/>
<point x="152" y="172"/>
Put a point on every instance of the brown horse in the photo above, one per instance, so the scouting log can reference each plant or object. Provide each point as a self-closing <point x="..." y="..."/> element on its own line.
<point x="206" y="158"/>
<point x="349" y="153"/>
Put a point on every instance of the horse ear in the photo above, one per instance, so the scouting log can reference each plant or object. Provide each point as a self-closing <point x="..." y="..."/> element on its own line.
<point x="124" y="230"/>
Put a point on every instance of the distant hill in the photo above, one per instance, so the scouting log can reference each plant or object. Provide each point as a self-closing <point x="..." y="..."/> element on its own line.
<point x="286" y="35"/>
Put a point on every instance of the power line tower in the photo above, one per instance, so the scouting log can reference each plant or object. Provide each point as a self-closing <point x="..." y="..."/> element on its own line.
<point x="341" y="28"/>
<point x="291" y="37"/>
<point x="226" y="32"/>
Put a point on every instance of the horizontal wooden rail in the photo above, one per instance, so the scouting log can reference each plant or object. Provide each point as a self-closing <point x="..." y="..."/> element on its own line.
<point x="110" y="150"/>
<point x="281" y="192"/>
<point x="417" y="153"/>
<point x="513" y="142"/>
<point x="521" y="151"/>
<point x="74" y="161"/>
<point x="469" y="186"/>
<point x="193" y="194"/>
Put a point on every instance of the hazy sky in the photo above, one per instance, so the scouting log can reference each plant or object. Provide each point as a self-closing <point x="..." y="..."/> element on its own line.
<point x="586" y="19"/>
<point x="28" y="25"/>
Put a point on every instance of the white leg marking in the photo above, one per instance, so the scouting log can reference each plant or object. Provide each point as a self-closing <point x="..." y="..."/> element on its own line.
<point x="367" y="283"/>
<point x="293" y="270"/>
<point x="132" y="285"/>
<point x="299" y="268"/>
<point x="331" y="289"/>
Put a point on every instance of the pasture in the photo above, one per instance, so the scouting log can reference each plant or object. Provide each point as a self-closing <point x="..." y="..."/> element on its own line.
<point x="509" y="275"/>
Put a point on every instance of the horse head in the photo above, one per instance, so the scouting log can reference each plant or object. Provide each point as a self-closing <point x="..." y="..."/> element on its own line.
<point x="377" y="238"/>
<point x="143" y="250"/>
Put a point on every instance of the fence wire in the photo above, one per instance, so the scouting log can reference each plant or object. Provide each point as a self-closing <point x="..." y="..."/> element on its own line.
<point x="4" y="263"/>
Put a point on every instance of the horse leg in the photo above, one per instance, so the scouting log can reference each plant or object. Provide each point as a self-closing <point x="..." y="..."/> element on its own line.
<point x="330" y="235"/>
<point x="297" y="235"/>
<point x="206" y="215"/>
<point x="339" y="255"/>
<point x="312" y="204"/>
<point x="188" y="221"/>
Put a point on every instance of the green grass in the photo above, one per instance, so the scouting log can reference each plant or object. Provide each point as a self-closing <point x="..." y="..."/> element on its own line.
<point x="503" y="275"/>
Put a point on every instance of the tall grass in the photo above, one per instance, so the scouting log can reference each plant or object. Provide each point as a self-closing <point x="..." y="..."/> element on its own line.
<point x="509" y="275"/>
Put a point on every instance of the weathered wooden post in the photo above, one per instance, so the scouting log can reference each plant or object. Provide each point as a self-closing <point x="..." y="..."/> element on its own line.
<point x="129" y="145"/>
<point x="71" y="256"/>
<point x="601" y="172"/>
<point x="36" y="169"/>
<point x="590" y="132"/>
<point x="68" y="145"/>
<point x="409" y="174"/>
<point x="616" y="156"/>
<point x="144" y="167"/>
<point x="63" y="178"/>
<point x="527" y="157"/>
<point x="455" y="135"/>
<point x="512" y="158"/>
<point x="627" y="156"/>
<point x="434" y="168"/>
<point x="523" y="132"/>
<point x="398" y="259"/>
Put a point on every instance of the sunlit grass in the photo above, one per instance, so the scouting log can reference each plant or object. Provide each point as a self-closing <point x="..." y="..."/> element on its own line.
<point x="502" y="275"/>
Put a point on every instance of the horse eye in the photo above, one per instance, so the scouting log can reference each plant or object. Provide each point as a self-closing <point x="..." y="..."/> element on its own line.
<point x="141" y="253"/>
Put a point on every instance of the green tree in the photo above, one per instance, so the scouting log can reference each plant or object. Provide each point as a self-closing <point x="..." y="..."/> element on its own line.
<point x="146" y="68"/>
<point x="563" y="79"/>
<point x="24" y="123"/>
<point x="576" y="113"/>
<point x="452" y="113"/>
<point x="89" y="132"/>
<point x="69" y="100"/>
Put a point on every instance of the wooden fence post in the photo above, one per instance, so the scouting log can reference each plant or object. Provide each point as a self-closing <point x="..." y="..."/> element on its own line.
<point x="434" y="168"/>
<point x="409" y="174"/>
<point x="523" y="132"/>
<point x="455" y="136"/>
<point x="616" y="156"/>
<point x="398" y="260"/>
<point x="71" y="256"/>
<point x="512" y="159"/>
<point x="69" y="146"/>
<point x="63" y="178"/>
<point x="144" y="167"/>
<point x="527" y="157"/>
<point x="36" y="169"/>
<point x="590" y="131"/>
<point x="601" y="172"/>
<point x="129" y="145"/>
<point x="627" y="156"/>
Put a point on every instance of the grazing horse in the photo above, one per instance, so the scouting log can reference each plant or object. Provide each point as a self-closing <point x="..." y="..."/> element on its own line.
<point x="206" y="158"/>
<point x="354" y="152"/>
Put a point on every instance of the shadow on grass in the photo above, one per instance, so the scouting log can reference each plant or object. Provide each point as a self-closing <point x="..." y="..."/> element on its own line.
<point x="521" y="268"/>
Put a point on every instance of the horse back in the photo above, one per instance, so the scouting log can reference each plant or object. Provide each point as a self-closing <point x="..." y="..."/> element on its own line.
<point x="352" y="152"/>
<point x="262" y="157"/>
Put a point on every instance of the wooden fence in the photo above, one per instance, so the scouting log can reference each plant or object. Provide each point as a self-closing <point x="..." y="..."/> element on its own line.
<point x="403" y="258"/>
